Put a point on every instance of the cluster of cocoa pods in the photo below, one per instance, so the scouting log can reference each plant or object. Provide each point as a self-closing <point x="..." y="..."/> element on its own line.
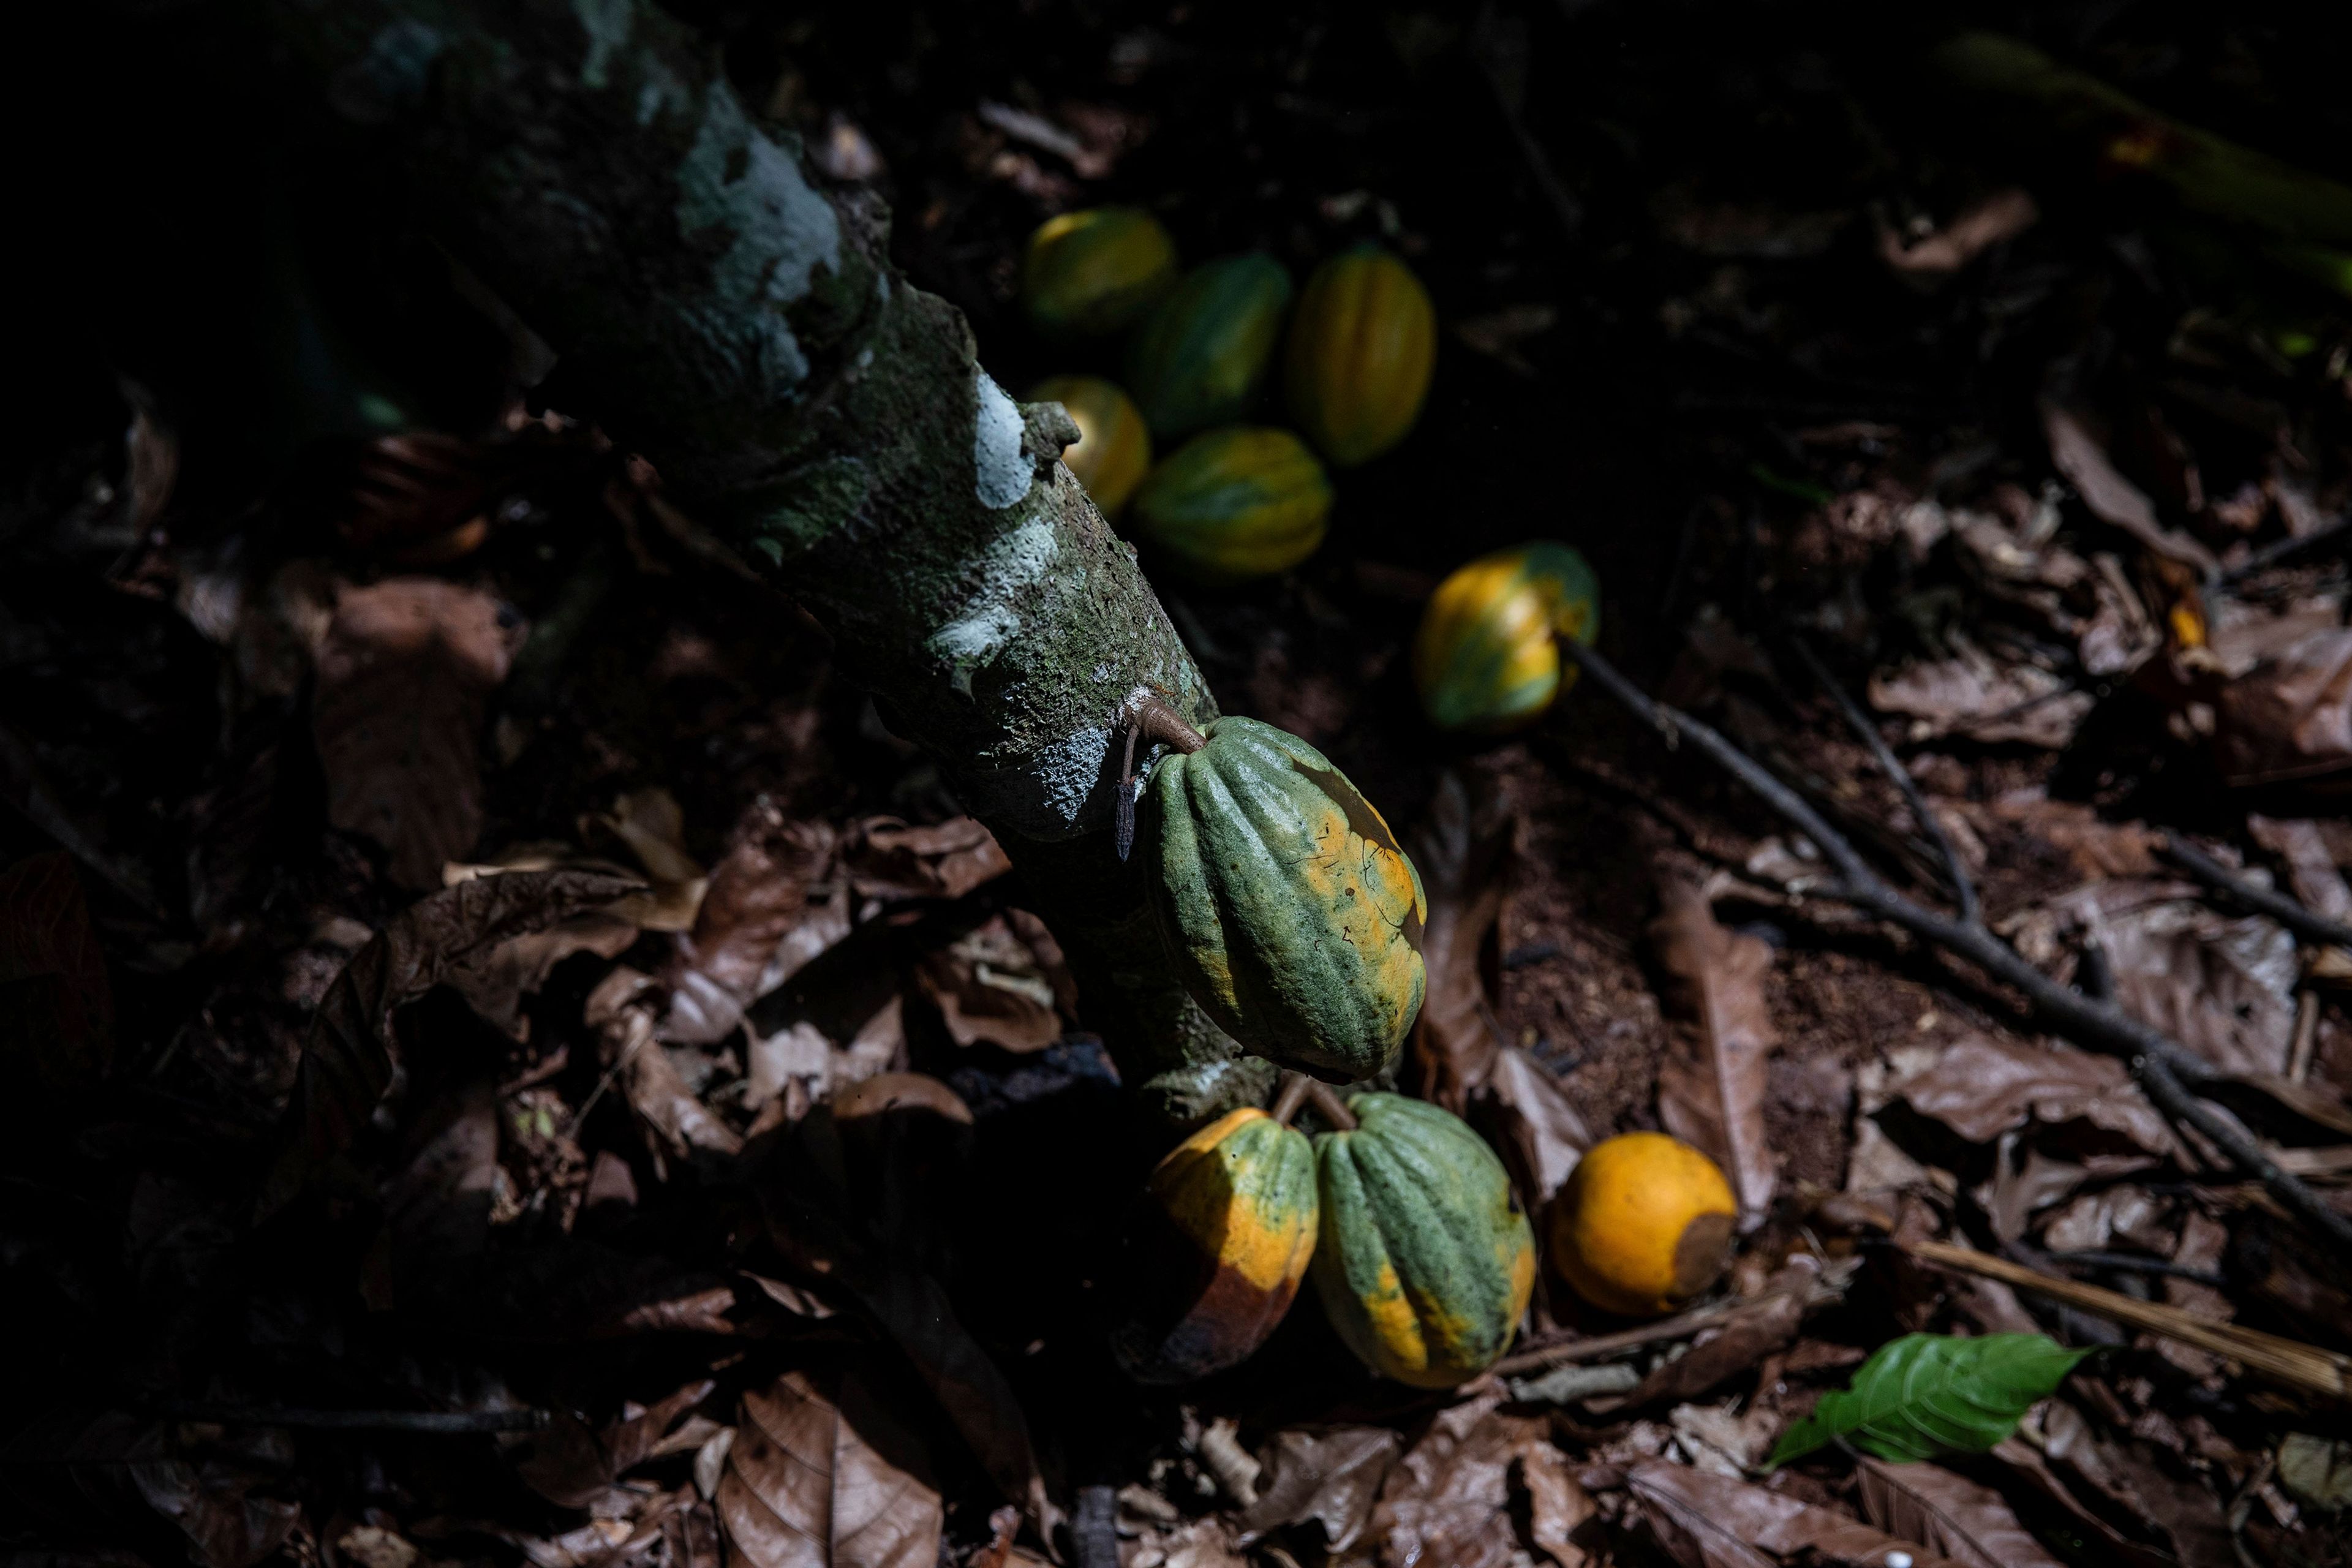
<point x="1236" y="498"/>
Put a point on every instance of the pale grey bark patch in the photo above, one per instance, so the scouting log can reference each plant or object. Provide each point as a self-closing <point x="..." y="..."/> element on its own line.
<point x="1014" y="563"/>
<point x="735" y="180"/>
<point x="607" y="24"/>
<point x="1000" y="470"/>
<point x="1068" y="771"/>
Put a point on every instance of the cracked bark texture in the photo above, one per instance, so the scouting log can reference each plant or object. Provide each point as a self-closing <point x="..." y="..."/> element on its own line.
<point x="738" y="321"/>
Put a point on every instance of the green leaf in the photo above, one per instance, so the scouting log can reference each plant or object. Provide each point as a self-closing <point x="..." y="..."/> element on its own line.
<point x="1925" y="1394"/>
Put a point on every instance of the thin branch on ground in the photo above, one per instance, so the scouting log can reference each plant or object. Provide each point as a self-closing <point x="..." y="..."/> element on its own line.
<point x="1955" y="872"/>
<point x="2287" y="551"/>
<point x="2162" y="1066"/>
<point x="2262" y="900"/>
<point x="452" y="1422"/>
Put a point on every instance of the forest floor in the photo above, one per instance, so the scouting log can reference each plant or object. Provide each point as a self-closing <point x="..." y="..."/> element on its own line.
<point x="324" y="759"/>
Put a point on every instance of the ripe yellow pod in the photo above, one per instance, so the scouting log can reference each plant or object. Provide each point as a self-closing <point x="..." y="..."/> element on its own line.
<point x="1211" y="1253"/>
<point x="1113" y="449"/>
<point x="1642" y="1224"/>
<point x="1088" y="274"/>
<point x="1234" y="504"/>
<point x="1356" y="369"/>
<point x="1484" y="658"/>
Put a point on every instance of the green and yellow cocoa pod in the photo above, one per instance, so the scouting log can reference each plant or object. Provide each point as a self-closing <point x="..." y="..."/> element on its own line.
<point x="1423" y="1259"/>
<point x="1200" y="356"/>
<point x="1486" y="657"/>
<point x="1356" y="366"/>
<point x="1234" y="504"/>
<point x="1093" y="273"/>
<point x="1213" y="1250"/>
<point x="1113" y="450"/>
<point x="1285" y="903"/>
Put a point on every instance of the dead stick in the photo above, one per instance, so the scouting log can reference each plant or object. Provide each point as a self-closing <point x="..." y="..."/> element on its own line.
<point x="2159" y="1063"/>
<point x="2262" y="900"/>
<point x="2288" y="1361"/>
<point x="1335" y="1110"/>
<point x="1594" y="1347"/>
<point x="1295" y="1085"/>
<point x="430" y="1421"/>
<point x="1964" y="890"/>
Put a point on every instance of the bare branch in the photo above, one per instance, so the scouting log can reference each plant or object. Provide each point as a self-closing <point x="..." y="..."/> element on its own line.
<point x="2158" y="1062"/>
<point x="1964" y="890"/>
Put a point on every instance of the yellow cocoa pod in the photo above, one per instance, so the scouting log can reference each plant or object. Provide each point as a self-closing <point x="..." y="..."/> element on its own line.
<point x="1234" y="504"/>
<point x="1088" y="274"/>
<point x="1486" y="657"/>
<point x="1643" y="1225"/>
<point x="1356" y="368"/>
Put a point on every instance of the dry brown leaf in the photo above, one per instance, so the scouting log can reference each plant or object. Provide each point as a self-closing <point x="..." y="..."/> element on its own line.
<point x="1465" y="850"/>
<point x="572" y="1463"/>
<point x="758" y="894"/>
<point x="2026" y="1467"/>
<point x="404" y="673"/>
<point x="2223" y="985"/>
<point x="347" y="1059"/>
<point x="1711" y="1088"/>
<point x="2312" y="872"/>
<point x="1981" y="1088"/>
<point x="819" y="1482"/>
<point x="2290" y="716"/>
<point x="1449" y="1498"/>
<point x="888" y="860"/>
<point x="1969" y="1523"/>
<point x="2076" y="453"/>
<point x="621" y="1009"/>
<point x="1709" y="1520"/>
<point x="1971" y="695"/>
<point x="2090" y="844"/>
<point x="1975" y="230"/>
<point x="1329" y="1474"/>
<point x="992" y="987"/>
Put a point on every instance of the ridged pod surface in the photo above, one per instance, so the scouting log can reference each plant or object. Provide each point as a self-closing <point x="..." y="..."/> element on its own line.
<point x="1356" y="366"/>
<point x="1113" y="449"/>
<point x="1213" y="1249"/>
<point x="1092" y="273"/>
<point x="1423" y="1261"/>
<point x="1234" y="504"/>
<point x="1289" y="911"/>
<point x="1485" y="657"/>
<point x="1200" y="356"/>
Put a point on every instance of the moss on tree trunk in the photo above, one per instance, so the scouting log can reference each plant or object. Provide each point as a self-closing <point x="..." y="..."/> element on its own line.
<point x="738" y="321"/>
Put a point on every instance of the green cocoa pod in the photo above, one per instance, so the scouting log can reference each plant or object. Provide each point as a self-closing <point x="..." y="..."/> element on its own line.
<point x="1423" y="1258"/>
<point x="1289" y="911"/>
<point x="1200" y="356"/>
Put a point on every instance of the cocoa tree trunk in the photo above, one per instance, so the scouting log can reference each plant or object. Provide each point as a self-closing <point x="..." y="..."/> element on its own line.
<point x="738" y="321"/>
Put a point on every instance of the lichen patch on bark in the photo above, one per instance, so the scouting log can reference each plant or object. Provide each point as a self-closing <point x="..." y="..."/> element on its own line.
<point x="607" y="24"/>
<point x="1002" y="472"/>
<point x="778" y="231"/>
<point x="1015" y="562"/>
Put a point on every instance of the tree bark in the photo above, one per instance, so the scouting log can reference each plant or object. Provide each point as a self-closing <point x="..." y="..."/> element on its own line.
<point x="738" y="321"/>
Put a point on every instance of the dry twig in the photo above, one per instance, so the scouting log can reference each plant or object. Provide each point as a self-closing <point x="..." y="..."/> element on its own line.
<point x="2287" y="1360"/>
<point x="2162" y="1064"/>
